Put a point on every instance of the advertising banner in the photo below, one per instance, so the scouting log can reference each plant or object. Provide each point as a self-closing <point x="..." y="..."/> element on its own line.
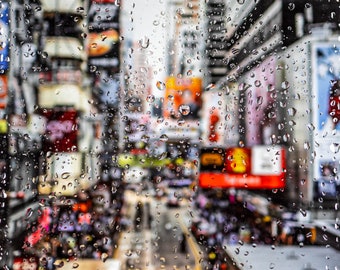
<point x="103" y="15"/>
<point x="182" y="98"/>
<point x="326" y="118"/>
<point x="259" y="167"/>
<point x="4" y="36"/>
<point x="3" y="91"/>
<point x="213" y="120"/>
<point x="260" y="115"/>
<point x="103" y="36"/>
<point x="61" y="130"/>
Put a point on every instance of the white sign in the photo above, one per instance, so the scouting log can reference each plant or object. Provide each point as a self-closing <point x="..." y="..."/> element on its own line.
<point x="266" y="160"/>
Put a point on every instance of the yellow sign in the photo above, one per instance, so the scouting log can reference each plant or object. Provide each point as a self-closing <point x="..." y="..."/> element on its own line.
<point x="211" y="159"/>
<point x="3" y="126"/>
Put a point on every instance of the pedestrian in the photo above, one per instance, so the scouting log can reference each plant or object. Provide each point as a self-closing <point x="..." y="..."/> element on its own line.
<point x="183" y="242"/>
<point x="139" y="216"/>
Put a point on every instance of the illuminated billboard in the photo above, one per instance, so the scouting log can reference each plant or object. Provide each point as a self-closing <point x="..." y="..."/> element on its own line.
<point x="213" y="120"/>
<point x="4" y="36"/>
<point x="3" y="91"/>
<point x="260" y="115"/>
<point x="61" y="130"/>
<point x="326" y="118"/>
<point x="182" y="98"/>
<point x="259" y="167"/>
<point x="103" y="37"/>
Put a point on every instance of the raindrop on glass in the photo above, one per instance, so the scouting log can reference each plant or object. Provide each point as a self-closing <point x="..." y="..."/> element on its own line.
<point x="184" y="109"/>
<point x="160" y="85"/>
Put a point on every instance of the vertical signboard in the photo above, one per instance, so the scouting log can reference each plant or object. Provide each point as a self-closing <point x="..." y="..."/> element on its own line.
<point x="182" y="98"/>
<point x="213" y="120"/>
<point x="260" y="115"/>
<point x="4" y="36"/>
<point x="103" y="36"/>
<point x="3" y="91"/>
<point x="326" y="118"/>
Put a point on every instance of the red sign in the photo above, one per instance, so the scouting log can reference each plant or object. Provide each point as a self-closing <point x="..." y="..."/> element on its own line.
<point x="21" y="263"/>
<point x="260" y="167"/>
<point x="61" y="130"/>
<point x="3" y="91"/>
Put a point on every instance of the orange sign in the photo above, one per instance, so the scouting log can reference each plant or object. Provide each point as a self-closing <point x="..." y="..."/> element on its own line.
<point x="211" y="159"/>
<point x="182" y="98"/>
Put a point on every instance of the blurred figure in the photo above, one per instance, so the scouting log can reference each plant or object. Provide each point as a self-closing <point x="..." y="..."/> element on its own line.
<point x="139" y="216"/>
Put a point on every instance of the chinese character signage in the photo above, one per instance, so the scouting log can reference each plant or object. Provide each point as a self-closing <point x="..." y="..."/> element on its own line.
<point x="259" y="167"/>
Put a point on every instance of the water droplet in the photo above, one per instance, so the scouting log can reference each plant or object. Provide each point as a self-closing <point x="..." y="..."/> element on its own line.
<point x="150" y="98"/>
<point x="257" y="83"/>
<point x="259" y="100"/>
<point x="128" y="253"/>
<point x="29" y="213"/>
<point x="160" y="120"/>
<point x="160" y="85"/>
<point x="104" y="256"/>
<point x="144" y="42"/>
<point x="334" y="147"/>
<point x="210" y="86"/>
<point x="163" y="155"/>
<point x="291" y="111"/>
<point x="163" y="138"/>
<point x="285" y="85"/>
<point x="80" y="9"/>
<point x="281" y="126"/>
<point x="311" y="127"/>
<point x="303" y="212"/>
<point x="145" y="138"/>
<point x="306" y="145"/>
<point x="184" y="109"/>
<point x="59" y="263"/>
<point x="325" y="237"/>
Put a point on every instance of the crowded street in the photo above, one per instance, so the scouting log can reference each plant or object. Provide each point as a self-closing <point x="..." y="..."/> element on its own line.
<point x="168" y="135"/>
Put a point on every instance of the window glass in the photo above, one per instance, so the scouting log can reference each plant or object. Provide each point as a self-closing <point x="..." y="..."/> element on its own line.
<point x="199" y="134"/>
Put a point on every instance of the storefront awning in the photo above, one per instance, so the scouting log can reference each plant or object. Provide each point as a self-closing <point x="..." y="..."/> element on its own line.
<point x="64" y="47"/>
<point x="65" y="6"/>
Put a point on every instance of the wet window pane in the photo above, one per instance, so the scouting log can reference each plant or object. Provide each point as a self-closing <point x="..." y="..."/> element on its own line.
<point x="169" y="134"/>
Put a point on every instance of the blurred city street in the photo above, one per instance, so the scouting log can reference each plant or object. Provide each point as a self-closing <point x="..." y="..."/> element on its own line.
<point x="160" y="134"/>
